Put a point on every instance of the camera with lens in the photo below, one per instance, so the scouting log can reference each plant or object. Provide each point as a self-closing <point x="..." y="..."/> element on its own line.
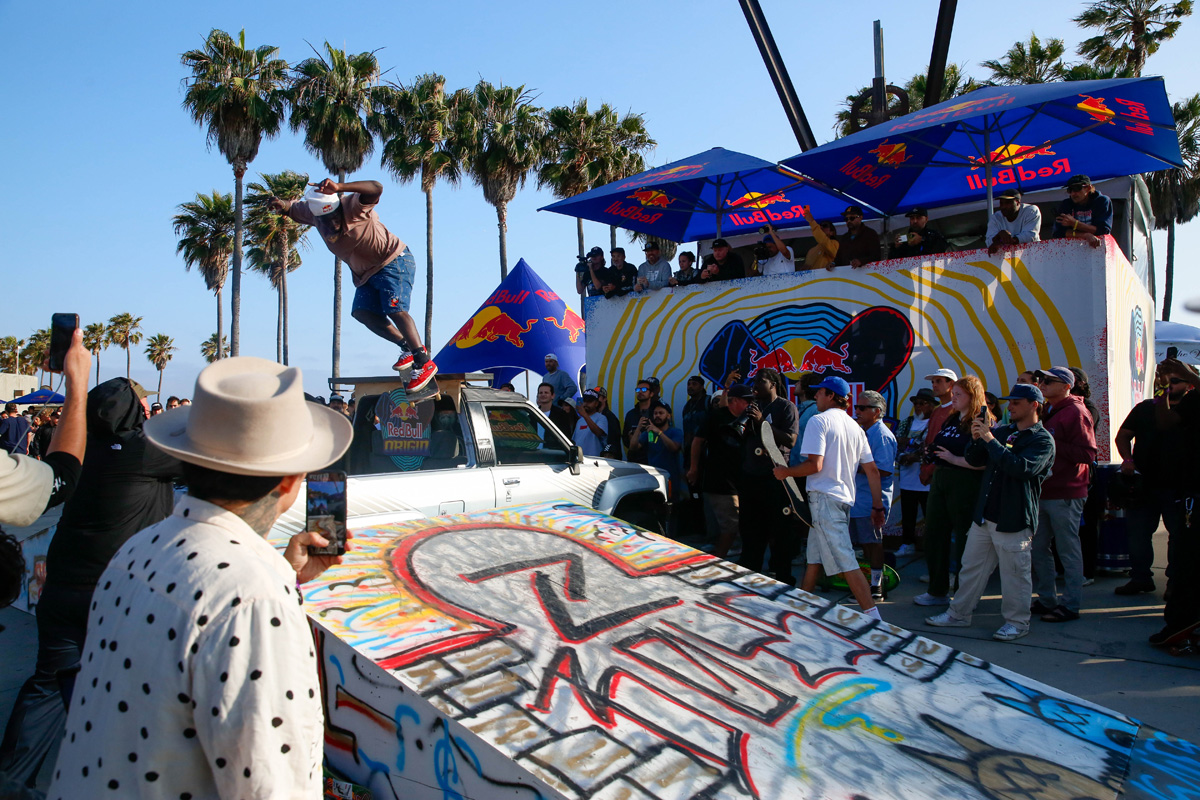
<point x="581" y="265"/>
<point x="761" y="253"/>
<point x="739" y="424"/>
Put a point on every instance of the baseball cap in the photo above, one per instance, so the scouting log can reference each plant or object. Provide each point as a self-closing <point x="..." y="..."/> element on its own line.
<point x="917" y="212"/>
<point x="696" y="378"/>
<point x="835" y="385"/>
<point x="1011" y="194"/>
<point x="768" y="238"/>
<point x="601" y="391"/>
<point x="595" y="251"/>
<point x="852" y="210"/>
<point x="720" y="243"/>
<point x="620" y="250"/>
<point x="568" y="400"/>
<point x="1077" y="181"/>
<point x="650" y="246"/>
<point x="942" y="373"/>
<point x="1024" y="391"/>
<point x="549" y="356"/>
<point x="140" y="390"/>
<point x="589" y="394"/>
<point x="740" y="390"/>
<point x="871" y="398"/>
<point x="1056" y="373"/>
<point x="925" y="394"/>
<point x="653" y="381"/>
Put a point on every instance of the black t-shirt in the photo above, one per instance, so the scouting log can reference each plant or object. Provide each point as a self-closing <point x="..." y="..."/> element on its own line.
<point x="1157" y="454"/>
<point x="951" y="437"/>
<point x="1187" y="438"/>
<point x="780" y="414"/>
<point x="732" y="269"/>
<point x="723" y="452"/>
<point x="632" y="418"/>
<point x="613" y="447"/>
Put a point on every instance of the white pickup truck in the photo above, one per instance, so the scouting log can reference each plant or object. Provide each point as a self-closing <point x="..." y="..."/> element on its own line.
<point x="476" y="448"/>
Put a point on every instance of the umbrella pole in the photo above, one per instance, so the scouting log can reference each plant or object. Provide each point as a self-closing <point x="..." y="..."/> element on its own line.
<point x="987" y="172"/>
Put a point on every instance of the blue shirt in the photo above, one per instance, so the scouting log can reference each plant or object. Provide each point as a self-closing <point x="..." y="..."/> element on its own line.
<point x="1096" y="211"/>
<point x="657" y="455"/>
<point x="14" y="434"/>
<point x="883" y="450"/>
<point x="808" y="410"/>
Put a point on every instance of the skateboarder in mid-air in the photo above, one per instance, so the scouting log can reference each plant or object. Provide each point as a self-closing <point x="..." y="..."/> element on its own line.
<point x="382" y="266"/>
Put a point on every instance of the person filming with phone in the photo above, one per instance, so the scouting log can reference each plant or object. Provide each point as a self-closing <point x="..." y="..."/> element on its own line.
<point x="921" y="239"/>
<point x="203" y="609"/>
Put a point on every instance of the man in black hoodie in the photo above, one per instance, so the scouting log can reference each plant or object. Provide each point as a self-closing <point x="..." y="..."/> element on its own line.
<point x="126" y="485"/>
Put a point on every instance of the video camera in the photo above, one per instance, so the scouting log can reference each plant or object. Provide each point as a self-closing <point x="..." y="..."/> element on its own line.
<point x="582" y="265"/>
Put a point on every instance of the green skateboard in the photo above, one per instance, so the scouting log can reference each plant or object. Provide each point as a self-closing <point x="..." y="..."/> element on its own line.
<point x="891" y="579"/>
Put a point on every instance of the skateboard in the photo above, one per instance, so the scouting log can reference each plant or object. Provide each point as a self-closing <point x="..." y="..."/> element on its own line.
<point x="797" y="503"/>
<point x="891" y="578"/>
<point x="1186" y="642"/>
<point x="430" y="390"/>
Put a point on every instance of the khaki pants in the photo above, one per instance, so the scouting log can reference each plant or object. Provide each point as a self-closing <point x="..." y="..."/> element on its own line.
<point x="986" y="548"/>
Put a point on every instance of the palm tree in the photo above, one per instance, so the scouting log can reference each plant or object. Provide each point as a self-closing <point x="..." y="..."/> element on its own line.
<point x="125" y="331"/>
<point x="239" y="95"/>
<point x="159" y="350"/>
<point x="502" y="131"/>
<point x="95" y="339"/>
<point x="1130" y="30"/>
<point x="1029" y="62"/>
<point x="209" y="350"/>
<point x="35" y="353"/>
<point x="331" y="100"/>
<point x="1175" y="193"/>
<point x="584" y="149"/>
<point x="416" y="125"/>
<point x="274" y="241"/>
<point x="10" y="354"/>
<point x="206" y="228"/>
<point x="956" y="82"/>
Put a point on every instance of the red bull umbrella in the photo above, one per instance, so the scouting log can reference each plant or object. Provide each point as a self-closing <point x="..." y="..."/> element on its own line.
<point x="1000" y="137"/>
<point x="521" y="321"/>
<point x="714" y="193"/>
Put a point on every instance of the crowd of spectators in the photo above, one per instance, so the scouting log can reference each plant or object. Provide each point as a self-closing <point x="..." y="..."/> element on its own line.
<point x="1085" y="214"/>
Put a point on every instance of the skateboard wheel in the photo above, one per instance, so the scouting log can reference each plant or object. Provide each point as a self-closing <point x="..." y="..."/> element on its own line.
<point x="787" y="512"/>
<point x="758" y="451"/>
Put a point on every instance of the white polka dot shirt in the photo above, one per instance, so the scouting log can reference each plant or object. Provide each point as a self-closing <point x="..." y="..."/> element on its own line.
<point x="199" y="677"/>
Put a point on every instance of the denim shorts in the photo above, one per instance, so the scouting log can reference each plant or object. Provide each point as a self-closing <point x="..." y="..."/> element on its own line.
<point x="829" y="538"/>
<point x="390" y="289"/>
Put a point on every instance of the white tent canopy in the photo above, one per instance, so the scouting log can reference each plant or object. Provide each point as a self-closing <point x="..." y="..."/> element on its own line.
<point x="1176" y="334"/>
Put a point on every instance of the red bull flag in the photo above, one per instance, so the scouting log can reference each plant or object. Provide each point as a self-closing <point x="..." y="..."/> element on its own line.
<point x="521" y="321"/>
<point x="714" y="193"/>
<point x="1000" y="137"/>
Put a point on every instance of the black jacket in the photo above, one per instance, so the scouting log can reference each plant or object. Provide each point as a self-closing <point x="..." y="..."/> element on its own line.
<point x="1017" y="463"/>
<point x="126" y="485"/>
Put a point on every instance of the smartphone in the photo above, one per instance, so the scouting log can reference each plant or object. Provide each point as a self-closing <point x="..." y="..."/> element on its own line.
<point x="325" y="511"/>
<point x="1172" y="352"/>
<point x="62" y="330"/>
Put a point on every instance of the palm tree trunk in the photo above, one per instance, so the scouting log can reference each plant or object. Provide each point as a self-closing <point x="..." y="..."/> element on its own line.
<point x="128" y="360"/>
<point x="283" y="289"/>
<point x="1169" y="276"/>
<point x="97" y="369"/>
<point x="279" y="324"/>
<point x="160" y="373"/>
<point x="579" y="234"/>
<point x="337" y="306"/>
<point x="612" y="237"/>
<point x="220" y="322"/>
<point x="428" y="269"/>
<point x="502" y="223"/>
<point x="235" y="314"/>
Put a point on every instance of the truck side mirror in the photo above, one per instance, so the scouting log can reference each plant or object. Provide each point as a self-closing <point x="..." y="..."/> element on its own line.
<point x="575" y="459"/>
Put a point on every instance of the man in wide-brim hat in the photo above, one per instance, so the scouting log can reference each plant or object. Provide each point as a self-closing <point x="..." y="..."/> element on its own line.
<point x="199" y="676"/>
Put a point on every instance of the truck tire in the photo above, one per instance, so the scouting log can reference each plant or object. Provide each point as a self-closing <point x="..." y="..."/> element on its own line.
<point x="645" y="511"/>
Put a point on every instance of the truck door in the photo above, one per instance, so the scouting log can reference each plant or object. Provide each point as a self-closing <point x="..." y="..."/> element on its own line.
<point x="533" y="460"/>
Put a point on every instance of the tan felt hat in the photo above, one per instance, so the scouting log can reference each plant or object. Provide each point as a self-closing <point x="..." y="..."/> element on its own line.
<point x="248" y="416"/>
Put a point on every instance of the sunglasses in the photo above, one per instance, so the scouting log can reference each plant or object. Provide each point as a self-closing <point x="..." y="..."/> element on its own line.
<point x="851" y="216"/>
<point x="865" y="408"/>
<point x="1174" y="381"/>
<point x="641" y="389"/>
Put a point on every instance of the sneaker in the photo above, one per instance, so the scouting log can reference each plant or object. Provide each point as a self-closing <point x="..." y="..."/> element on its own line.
<point x="1060" y="614"/>
<point x="1008" y="632"/>
<point x="946" y="620"/>
<point x="405" y="361"/>
<point x="1088" y="581"/>
<point x="877" y="594"/>
<point x="421" y="377"/>
<point x="928" y="599"/>
<point x="907" y="550"/>
<point x="1038" y="608"/>
<point x="1170" y="636"/>
<point x="1134" y="587"/>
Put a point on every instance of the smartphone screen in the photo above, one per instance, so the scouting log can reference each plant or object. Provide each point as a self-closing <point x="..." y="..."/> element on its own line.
<point x="62" y="328"/>
<point x="325" y="510"/>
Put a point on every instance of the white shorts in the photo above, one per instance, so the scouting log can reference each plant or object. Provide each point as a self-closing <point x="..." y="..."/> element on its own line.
<point x="829" y="539"/>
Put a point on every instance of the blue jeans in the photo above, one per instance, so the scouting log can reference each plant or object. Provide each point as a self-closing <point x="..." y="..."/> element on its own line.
<point x="390" y="289"/>
<point x="1058" y="520"/>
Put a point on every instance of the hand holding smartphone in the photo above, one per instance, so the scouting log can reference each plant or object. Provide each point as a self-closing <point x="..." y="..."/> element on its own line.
<point x="62" y="330"/>
<point x="325" y="511"/>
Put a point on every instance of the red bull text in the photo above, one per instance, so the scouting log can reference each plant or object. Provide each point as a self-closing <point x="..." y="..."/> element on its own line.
<point x="763" y="216"/>
<point x="1059" y="166"/>
<point x="633" y="213"/>
<point x="864" y="173"/>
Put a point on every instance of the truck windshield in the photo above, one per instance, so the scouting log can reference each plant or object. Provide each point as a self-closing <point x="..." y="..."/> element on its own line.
<point x="392" y="435"/>
<point x="523" y="437"/>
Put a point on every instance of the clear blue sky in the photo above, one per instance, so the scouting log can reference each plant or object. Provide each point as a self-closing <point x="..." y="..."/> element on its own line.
<point x="98" y="151"/>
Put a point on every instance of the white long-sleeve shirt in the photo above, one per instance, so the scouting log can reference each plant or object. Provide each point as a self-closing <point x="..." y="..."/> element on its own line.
<point x="199" y="677"/>
<point x="1026" y="227"/>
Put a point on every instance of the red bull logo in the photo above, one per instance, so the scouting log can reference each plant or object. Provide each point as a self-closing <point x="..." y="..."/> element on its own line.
<point x="572" y="323"/>
<point x="757" y="200"/>
<point x="490" y="325"/>
<point x="778" y="359"/>
<point x="633" y="213"/>
<point x="763" y="216"/>
<point x="652" y="198"/>
<point x="670" y="173"/>
<point x="404" y="411"/>
<point x="1094" y="107"/>
<point x="1010" y="154"/>
<point x="822" y="359"/>
<point x="890" y="155"/>
<point x="964" y="108"/>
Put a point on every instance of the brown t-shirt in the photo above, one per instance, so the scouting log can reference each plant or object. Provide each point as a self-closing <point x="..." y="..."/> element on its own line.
<point x="366" y="245"/>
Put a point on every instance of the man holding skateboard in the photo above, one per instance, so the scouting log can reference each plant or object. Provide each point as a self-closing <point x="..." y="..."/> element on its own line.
<point x="835" y="448"/>
<point x="382" y="265"/>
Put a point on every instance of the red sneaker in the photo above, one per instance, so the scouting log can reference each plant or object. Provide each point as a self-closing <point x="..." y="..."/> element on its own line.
<point x="404" y="362"/>
<point x="421" y="377"/>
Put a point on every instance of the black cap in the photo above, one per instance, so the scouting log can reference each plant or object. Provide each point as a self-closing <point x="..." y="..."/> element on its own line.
<point x="620" y="250"/>
<point x="595" y="251"/>
<point x="651" y="246"/>
<point x="1079" y="181"/>
<point x="852" y="210"/>
<point x="720" y="243"/>
<point x="917" y="212"/>
<point x="1013" y="194"/>
<point x="740" y="390"/>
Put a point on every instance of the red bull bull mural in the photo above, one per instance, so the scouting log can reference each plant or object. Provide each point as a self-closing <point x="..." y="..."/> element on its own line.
<point x="1010" y="155"/>
<point x="757" y="200"/>
<point x="572" y="323"/>
<point x="489" y="325"/>
<point x="890" y="155"/>
<point x="822" y="359"/>
<point x="652" y="198"/>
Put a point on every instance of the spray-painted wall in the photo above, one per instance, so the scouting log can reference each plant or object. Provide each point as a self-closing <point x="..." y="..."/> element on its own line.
<point x="549" y="651"/>
<point x="886" y="326"/>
